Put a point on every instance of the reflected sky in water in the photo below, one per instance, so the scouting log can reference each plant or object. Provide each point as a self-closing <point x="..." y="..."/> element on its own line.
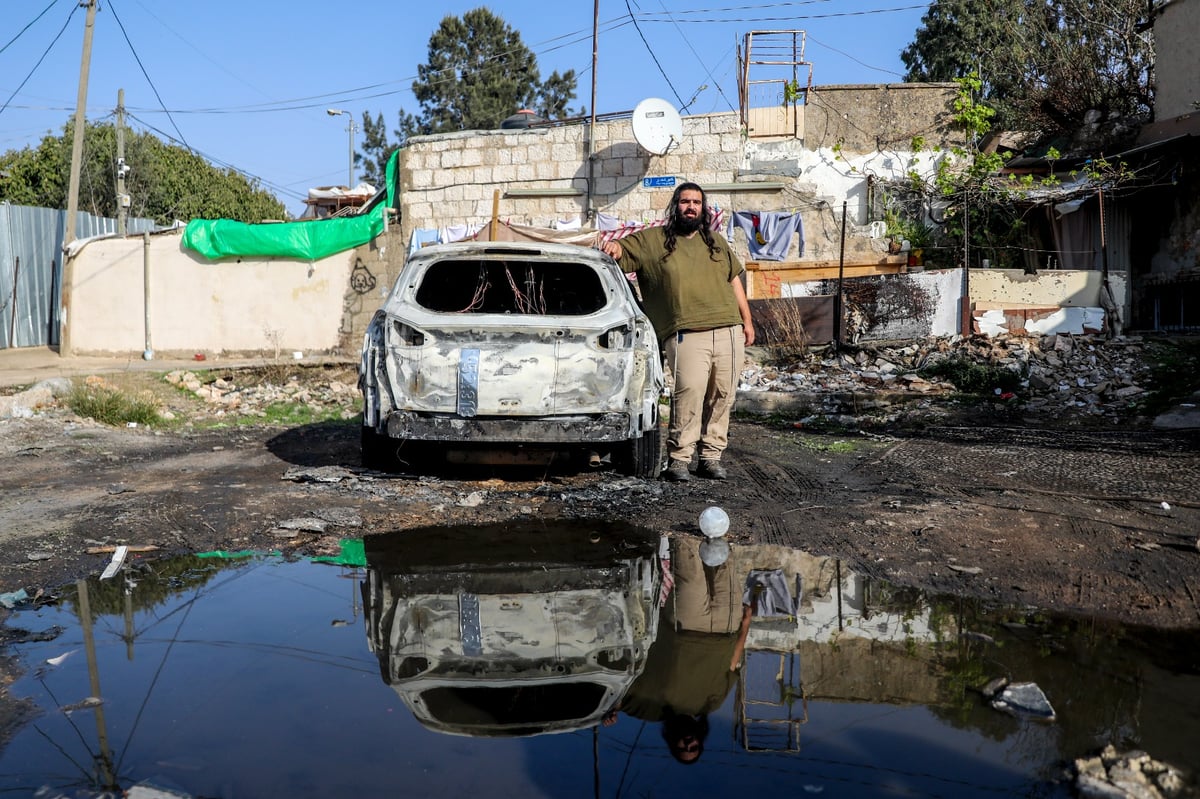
<point x="572" y="661"/>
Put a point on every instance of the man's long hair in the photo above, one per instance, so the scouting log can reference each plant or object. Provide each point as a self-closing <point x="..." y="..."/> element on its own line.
<point x="673" y="226"/>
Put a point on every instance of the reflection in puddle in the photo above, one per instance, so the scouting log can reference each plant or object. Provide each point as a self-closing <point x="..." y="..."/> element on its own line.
<point x="572" y="661"/>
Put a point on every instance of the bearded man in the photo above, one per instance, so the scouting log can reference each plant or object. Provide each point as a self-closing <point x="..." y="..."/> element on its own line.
<point x="690" y="282"/>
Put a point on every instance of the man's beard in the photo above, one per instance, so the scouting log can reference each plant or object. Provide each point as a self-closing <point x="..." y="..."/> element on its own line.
<point x="687" y="225"/>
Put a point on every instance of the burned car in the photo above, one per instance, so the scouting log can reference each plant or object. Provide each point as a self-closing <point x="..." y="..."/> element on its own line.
<point x="511" y="347"/>
<point x="512" y="630"/>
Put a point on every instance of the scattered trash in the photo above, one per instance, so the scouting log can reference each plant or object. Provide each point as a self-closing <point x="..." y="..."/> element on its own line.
<point x="54" y="661"/>
<point x="1024" y="700"/>
<point x="13" y="598"/>
<point x="974" y="636"/>
<point x="1149" y="546"/>
<point x="115" y="564"/>
<point x="119" y="488"/>
<point x="472" y="500"/>
<point x="90" y="702"/>
<point x="1165" y="506"/>
<point x="966" y="569"/>
<point x="199" y="356"/>
<point x="39" y="555"/>
<point x="308" y="525"/>
<point x="318" y="474"/>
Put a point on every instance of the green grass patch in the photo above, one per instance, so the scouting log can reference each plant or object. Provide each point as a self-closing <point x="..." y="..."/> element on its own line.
<point x="112" y="406"/>
<point x="1174" y="373"/>
<point x="970" y="377"/>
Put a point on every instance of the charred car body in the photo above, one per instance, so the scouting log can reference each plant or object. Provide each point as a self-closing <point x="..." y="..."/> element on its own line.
<point x="506" y="345"/>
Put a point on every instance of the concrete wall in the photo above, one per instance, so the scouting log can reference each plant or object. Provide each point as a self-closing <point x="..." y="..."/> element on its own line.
<point x="236" y="307"/>
<point x="1177" y="59"/>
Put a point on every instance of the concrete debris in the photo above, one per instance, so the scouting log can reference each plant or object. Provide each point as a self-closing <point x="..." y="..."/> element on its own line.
<point x="24" y="404"/>
<point x="253" y="400"/>
<point x="1129" y="774"/>
<point x="304" y="525"/>
<point x="1024" y="700"/>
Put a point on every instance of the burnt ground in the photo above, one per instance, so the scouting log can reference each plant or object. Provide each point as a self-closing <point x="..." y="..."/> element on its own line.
<point x="1023" y="511"/>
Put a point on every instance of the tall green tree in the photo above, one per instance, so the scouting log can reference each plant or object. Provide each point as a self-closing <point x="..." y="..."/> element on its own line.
<point x="1044" y="63"/>
<point x="165" y="182"/>
<point x="478" y="73"/>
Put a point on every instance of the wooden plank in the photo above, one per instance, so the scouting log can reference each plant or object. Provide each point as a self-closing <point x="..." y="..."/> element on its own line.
<point x="766" y="284"/>
<point x="884" y="262"/>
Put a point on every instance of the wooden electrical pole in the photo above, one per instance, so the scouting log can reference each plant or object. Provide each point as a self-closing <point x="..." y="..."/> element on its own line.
<point x="122" y="197"/>
<point x="80" y="123"/>
<point x="64" y="344"/>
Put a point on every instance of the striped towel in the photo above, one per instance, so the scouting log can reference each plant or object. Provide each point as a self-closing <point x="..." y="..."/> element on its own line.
<point x="605" y="236"/>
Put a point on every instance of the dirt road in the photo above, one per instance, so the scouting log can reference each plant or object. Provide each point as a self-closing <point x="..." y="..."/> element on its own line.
<point x="1101" y="523"/>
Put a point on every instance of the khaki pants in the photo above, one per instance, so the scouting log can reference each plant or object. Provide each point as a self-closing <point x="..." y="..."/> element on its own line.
<point x="705" y="599"/>
<point x="704" y="368"/>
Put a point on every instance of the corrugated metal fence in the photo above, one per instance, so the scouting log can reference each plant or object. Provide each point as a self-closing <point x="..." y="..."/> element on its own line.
<point x="31" y="257"/>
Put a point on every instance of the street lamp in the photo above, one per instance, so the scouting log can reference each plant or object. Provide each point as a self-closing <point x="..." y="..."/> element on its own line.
<point x="333" y="112"/>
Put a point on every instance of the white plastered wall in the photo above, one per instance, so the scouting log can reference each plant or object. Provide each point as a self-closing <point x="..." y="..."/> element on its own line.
<point x="197" y="306"/>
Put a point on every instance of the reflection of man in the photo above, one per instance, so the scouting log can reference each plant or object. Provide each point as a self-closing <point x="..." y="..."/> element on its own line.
<point x="694" y="661"/>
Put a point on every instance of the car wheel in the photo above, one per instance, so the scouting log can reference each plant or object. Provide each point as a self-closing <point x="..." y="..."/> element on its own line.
<point x="643" y="455"/>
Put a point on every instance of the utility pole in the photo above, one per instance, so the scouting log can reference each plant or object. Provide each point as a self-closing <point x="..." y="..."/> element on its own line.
<point x="80" y="122"/>
<point x="64" y="344"/>
<point x="122" y="196"/>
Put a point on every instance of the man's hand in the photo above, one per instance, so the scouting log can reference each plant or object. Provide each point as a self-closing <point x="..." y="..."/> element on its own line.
<point x="748" y="331"/>
<point x="613" y="249"/>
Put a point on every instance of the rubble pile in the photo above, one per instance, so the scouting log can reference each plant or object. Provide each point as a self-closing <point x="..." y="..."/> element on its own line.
<point x="253" y="396"/>
<point x="1113" y="775"/>
<point x="1063" y="375"/>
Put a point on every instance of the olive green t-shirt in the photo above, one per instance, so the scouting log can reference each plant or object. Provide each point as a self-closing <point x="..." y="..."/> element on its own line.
<point x="689" y="290"/>
<point x="685" y="672"/>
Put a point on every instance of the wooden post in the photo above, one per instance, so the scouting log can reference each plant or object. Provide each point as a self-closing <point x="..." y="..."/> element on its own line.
<point x="495" y="215"/>
<point x="837" y="304"/>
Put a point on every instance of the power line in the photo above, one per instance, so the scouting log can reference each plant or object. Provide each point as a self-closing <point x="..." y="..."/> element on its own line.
<point x="145" y="74"/>
<point x="28" y="26"/>
<point x="42" y="58"/>
<point x="650" y="50"/>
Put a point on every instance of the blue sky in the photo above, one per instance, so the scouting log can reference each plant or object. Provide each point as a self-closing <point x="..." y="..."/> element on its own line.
<point x="247" y="84"/>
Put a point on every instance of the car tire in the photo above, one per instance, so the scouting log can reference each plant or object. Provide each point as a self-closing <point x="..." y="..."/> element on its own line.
<point x="643" y="455"/>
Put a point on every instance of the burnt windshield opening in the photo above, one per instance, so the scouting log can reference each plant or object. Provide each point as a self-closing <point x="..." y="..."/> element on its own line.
<point x="511" y="287"/>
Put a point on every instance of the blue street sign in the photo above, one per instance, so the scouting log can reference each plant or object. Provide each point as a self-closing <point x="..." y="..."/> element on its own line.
<point x="658" y="182"/>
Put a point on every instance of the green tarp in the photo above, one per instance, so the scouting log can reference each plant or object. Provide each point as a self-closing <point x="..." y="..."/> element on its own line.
<point x="309" y="240"/>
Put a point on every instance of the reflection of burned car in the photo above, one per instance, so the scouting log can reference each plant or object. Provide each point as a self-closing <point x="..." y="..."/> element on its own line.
<point x="511" y="347"/>
<point x="485" y="632"/>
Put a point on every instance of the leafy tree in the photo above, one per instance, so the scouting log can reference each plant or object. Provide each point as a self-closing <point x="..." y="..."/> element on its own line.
<point x="165" y="182"/>
<point x="1043" y="63"/>
<point x="478" y="73"/>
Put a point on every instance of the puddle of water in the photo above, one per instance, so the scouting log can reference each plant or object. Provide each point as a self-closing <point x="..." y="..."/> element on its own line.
<point x="442" y="662"/>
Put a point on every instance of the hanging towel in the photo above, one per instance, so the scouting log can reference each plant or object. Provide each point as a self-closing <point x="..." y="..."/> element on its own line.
<point x="769" y="233"/>
<point x="420" y="237"/>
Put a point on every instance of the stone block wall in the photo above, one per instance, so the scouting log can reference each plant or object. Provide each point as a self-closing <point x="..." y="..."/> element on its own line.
<point x="851" y="135"/>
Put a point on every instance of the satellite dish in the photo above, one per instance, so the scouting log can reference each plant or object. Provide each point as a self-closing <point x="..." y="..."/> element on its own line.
<point x="657" y="126"/>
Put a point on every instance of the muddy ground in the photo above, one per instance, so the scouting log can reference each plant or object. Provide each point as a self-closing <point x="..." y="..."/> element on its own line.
<point x="1021" y="510"/>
